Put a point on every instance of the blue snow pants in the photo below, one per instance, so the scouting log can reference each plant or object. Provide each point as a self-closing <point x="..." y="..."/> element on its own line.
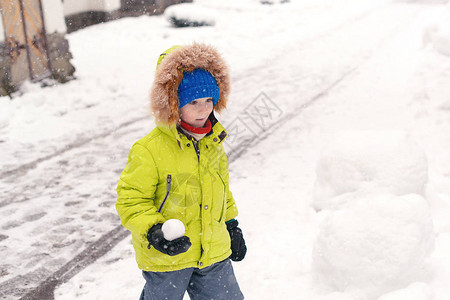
<point x="216" y="282"/>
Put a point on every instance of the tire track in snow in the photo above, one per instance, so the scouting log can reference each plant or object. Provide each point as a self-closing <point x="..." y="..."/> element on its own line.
<point x="23" y="169"/>
<point x="245" y="144"/>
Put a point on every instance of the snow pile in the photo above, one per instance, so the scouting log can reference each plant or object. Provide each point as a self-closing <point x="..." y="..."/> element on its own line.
<point x="377" y="230"/>
<point x="376" y="245"/>
<point x="381" y="161"/>
<point x="190" y="14"/>
<point x="438" y="33"/>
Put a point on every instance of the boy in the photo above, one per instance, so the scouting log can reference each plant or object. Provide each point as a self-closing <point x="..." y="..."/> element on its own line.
<point x="180" y="171"/>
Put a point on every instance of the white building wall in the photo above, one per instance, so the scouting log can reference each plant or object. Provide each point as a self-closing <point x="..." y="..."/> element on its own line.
<point x="53" y="16"/>
<point x="77" y="6"/>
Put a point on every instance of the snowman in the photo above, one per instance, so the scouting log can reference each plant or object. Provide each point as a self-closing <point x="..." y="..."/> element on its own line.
<point x="376" y="230"/>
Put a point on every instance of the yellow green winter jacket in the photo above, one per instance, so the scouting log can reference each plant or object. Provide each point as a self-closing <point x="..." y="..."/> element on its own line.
<point x="198" y="195"/>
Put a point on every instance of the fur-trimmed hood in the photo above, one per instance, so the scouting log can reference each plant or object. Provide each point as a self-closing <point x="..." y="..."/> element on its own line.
<point x="169" y="74"/>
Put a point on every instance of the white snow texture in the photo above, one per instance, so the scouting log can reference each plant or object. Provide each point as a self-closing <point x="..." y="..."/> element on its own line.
<point x="415" y="291"/>
<point x="438" y="33"/>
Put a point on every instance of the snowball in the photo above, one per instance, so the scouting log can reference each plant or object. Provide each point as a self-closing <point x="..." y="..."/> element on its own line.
<point x="380" y="161"/>
<point x="173" y="229"/>
<point x="378" y="244"/>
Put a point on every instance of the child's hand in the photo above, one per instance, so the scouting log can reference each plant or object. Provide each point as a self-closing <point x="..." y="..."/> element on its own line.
<point x="156" y="239"/>
<point x="238" y="247"/>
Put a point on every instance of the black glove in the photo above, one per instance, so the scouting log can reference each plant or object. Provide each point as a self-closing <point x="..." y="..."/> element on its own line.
<point x="238" y="247"/>
<point x="156" y="239"/>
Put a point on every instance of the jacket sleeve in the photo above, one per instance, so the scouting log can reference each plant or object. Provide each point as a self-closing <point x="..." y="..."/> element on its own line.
<point x="136" y="193"/>
<point x="232" y="210"/>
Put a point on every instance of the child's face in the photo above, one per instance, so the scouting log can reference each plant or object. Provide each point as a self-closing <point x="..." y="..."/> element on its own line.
<point x="196" y="113"/>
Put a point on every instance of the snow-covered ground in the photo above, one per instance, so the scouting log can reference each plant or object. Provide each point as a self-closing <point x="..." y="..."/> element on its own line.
<point x="322" y="67"/>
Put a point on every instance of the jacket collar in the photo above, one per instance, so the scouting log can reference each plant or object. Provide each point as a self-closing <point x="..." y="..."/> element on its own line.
<point x="216" y="136"/>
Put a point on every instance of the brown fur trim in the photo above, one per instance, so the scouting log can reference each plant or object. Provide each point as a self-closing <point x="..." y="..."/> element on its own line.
<point x="164" y="95"/>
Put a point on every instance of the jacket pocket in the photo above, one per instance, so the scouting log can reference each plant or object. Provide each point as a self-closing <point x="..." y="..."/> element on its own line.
<point x="219" y="201"/>
<point x="172" y="205"/>
<point x="168" y="187"/>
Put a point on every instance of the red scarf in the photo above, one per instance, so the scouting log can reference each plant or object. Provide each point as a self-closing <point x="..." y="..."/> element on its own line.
<point x="202" y="130"/>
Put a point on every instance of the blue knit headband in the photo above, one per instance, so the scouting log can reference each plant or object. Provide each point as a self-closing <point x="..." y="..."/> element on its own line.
<point x="197" y="84"/>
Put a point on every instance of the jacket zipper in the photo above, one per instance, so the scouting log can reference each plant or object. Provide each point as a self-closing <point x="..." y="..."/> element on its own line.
<point x="197" y="150"/>
<point x="169" y="183"/>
